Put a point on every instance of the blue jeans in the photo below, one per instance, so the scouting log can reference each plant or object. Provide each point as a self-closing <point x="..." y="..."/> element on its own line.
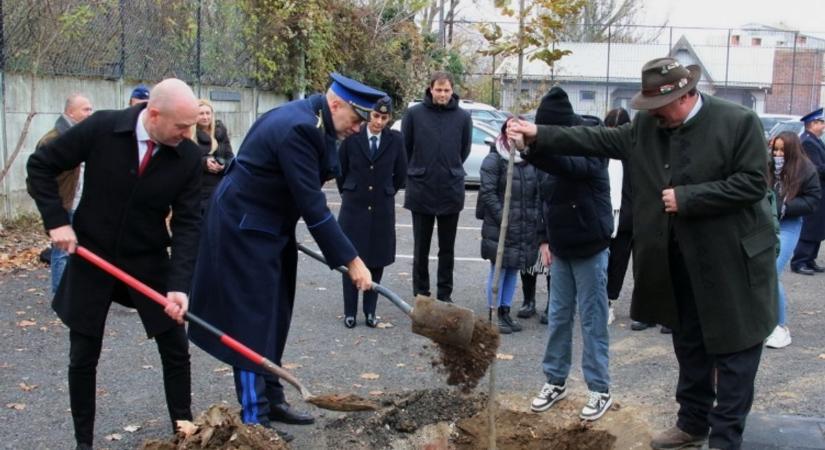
<point x="506" y="286"/>
<point x="57" y="263"/>
<point x="582" y="281"/>
<point x="789" y="230"/>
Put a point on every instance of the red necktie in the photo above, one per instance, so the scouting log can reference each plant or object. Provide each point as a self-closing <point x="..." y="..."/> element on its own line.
<point x="150" y="147"/>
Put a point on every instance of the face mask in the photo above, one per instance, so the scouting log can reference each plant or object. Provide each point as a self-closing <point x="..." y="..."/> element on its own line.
<point x="778" y="163"/>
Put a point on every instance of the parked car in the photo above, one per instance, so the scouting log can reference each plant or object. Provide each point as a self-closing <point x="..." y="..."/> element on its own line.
<point x="483" y="136"/>
<point x="770" y="120"/>
<point x="787" y="125"/>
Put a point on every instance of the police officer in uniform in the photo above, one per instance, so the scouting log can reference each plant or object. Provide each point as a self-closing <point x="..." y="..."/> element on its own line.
<point x="813" y="225"/>
<point x="245" y="275"/>
<point x="373" y="169"/>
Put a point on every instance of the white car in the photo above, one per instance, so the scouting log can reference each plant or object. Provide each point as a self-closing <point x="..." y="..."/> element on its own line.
<point x="483" y="137"/>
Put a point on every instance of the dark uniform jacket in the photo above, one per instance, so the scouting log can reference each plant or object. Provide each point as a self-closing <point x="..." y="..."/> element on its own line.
<point x="717" y="164"/>
<point x="244" y="281"/>
<point x="121" y="217"/>
<point x="437" y="140"/>
<point x="368" y="186"/>
<point x="813" y="225"/>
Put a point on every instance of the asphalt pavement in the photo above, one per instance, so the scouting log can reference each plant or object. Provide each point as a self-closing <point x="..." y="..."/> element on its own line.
<point x="788" y="410"/>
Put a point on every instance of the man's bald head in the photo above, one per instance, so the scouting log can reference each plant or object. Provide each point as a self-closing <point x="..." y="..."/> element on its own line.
<point x="171" y="112"/>
<point x="78" y="107"/>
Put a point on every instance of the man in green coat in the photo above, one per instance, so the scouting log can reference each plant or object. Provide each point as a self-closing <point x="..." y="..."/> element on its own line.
<point x="704" y="243"/>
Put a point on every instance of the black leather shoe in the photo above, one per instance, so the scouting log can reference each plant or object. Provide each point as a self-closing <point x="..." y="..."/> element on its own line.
<point x="283" y="412"/>
<point x="803" y="270"/>
<point x="371" y="321"/>
<point x="816" y="267"/>
<point x="665" y="330"/>
<point x="446" y="300"/>
<point x="349" y="322"/>
<point x="639" y="326"/>
<point x="83" y="447"/>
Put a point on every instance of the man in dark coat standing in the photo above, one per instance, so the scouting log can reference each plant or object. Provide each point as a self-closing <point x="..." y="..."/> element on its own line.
<point x="704" y="242"/>
<point x="373" y="169"/>
<point x="437" y="137"/>
<point x="813" y="225"/>
<point x="140" y="165"/>
<point x="245" y="276"/>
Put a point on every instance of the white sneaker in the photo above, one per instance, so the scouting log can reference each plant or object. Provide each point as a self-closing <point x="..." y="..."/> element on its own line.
<point x="597" y="404"/>
<point x="779" y="338"/>
<point x="548" y="396"/>
<point x="611" y="316"/>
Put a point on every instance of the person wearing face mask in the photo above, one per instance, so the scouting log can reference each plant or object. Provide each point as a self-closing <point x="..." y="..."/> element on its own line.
<point x="704" y="245"/>
<point x="813" y="225"/>
<point x="797" y="191"/>
<point x="437" y="139"/>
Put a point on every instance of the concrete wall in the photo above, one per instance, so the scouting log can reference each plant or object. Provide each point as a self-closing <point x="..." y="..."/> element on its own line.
<point x="50" y="95"/>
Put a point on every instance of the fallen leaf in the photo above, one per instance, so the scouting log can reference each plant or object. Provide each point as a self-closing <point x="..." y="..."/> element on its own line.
<point x="321" y="288"/>
<point x="370" y="376"/>
<point x="16" y="406"/>
<point x="131" y="428"/>
<point x="31" y="290"/>
<point x="147" y="366"/>
<point x="821" y="356"/>
<point x="113" y="437"/>
<point x="222" y="369"/>
<point x="356" y="385"/>
<point x="376" y="393"/>
<point x="26" y="323"/>
<point x="27" y="387"/>
<point x="291" y="366"/>
<point x="186" y="427"/>
<point x="504" y="356"/>
<point x="385" y="325"/>
<point x="20" y="313"/>
<point x="400" y="365"/>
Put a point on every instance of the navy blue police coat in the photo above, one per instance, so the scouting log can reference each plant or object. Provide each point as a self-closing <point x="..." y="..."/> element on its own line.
<point x="244" y="282"/>
<point x="813" y="225"/>
<point x="368" y="185"/>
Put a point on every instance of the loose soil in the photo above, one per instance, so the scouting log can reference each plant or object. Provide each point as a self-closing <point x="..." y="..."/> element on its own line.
<point x="219" y="428"/>
<point x="466" y="366"/>
<point x="342" y="402"/>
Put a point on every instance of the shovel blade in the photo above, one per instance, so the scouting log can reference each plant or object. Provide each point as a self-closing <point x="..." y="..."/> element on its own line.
<point x="442" y="322"/>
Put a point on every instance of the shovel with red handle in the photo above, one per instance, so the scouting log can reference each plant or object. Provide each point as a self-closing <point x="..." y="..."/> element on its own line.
<point x="335" y="402"/>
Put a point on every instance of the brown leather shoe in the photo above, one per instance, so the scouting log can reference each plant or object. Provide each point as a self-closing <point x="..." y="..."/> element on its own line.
<point x="674" y="438"/>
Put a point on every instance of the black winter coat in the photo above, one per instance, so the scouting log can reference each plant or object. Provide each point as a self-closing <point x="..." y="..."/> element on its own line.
<point x="521" y="245"/>
<point x="806" y="200"/>
<point x="577" y="211"/>
<point x="437" y="140"/>
<point x="813" y="227"/>
<point x="121" y="217"/>
<point x="223" y="154"/>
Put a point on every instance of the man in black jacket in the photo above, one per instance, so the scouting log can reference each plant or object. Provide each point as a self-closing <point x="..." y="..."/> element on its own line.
<point x="140" y="165"/>
<point x="437" y="137"/>
<point x="579" y="221"/>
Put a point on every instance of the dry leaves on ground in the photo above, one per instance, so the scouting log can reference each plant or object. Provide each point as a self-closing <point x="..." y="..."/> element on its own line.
<point x="292" y="366"/>
<point x="131" y="428"/>
<point x="370" y="376"/>
<point x="16" y="406"/>
<point x="113" y="437"/>
<point x="27" y="387"/>
<point x="504" y="356"/>
<point x="21" y="242"/>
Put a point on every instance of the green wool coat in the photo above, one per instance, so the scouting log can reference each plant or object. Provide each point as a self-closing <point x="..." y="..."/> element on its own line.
<point x="717" y="164"/>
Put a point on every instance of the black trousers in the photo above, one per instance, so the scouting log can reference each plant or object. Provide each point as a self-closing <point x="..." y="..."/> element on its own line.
<point x="351" y="294"/>
<point x="528" y="286"/>
<point x="621" y="247"/>
<point x="696" y="390"/>
<point x="84" y="354"/>
<point x="422" y="237"/>
<point x="805" y="253"/>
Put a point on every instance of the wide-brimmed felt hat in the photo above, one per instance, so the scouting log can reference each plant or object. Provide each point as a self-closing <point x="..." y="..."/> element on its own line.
<point x="663" y="81"/>
<point x="555" y="109"/>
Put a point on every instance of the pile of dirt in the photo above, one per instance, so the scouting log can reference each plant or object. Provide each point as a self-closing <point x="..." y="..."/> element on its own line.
<point x="466" y="366"/>
<point x="219" y="428"/>
<point x="517" y="430"/>
<point x="399" y="415"/>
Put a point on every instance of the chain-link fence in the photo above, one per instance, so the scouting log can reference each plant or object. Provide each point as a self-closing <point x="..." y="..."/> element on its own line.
<point x="200" y="41"/>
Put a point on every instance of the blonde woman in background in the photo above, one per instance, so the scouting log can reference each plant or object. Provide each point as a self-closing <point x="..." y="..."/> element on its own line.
<point x="213" y="139"/>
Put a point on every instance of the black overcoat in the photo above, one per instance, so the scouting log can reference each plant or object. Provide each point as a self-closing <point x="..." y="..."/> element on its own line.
<point x="244" y="282"/>
<point x="813" y="225"/>
<point x="437" y="139"/>
<point x="121" y="217"/>
<point x="368" y="186"/>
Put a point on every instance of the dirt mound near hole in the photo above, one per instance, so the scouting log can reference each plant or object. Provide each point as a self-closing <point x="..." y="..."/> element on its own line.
<point x="516" y="430"/>
<point x="466" y="366"/>
<point x="219" y="428"/>
<point x="400" y="415"/>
